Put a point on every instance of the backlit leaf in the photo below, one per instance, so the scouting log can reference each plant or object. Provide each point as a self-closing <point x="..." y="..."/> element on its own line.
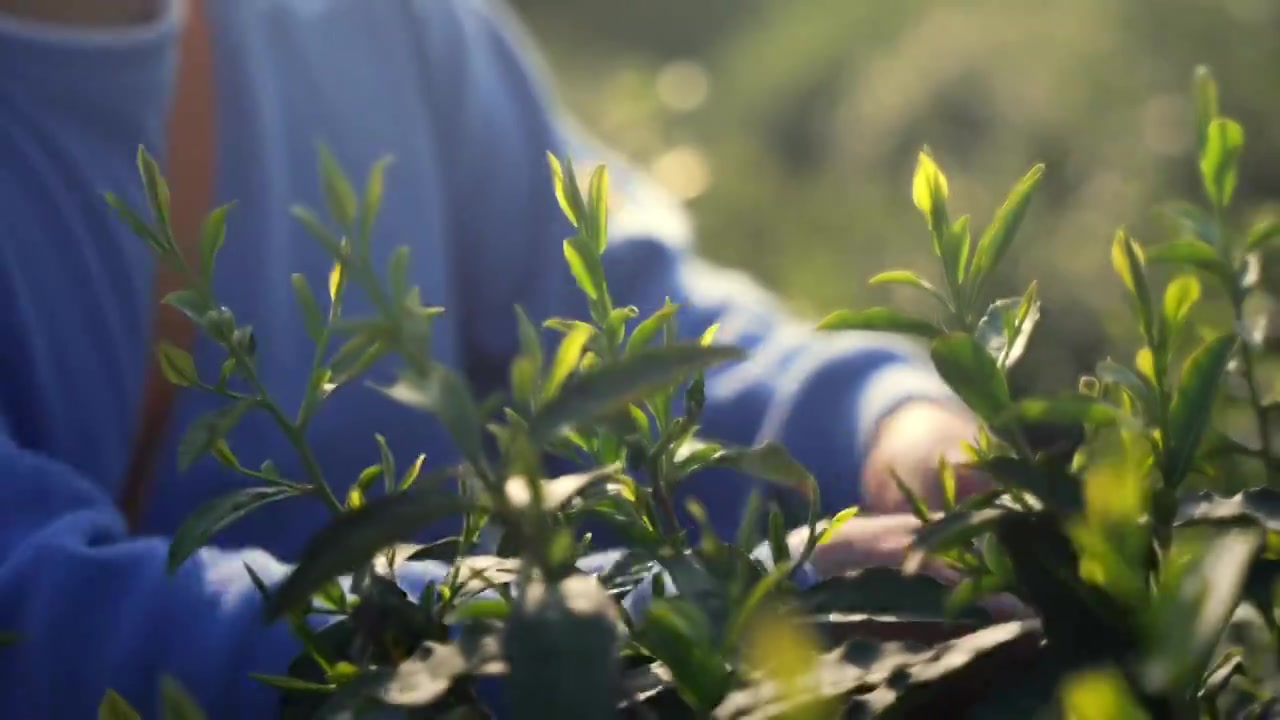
<point x="1190" y="411"/>
<point x="114" y="707"/>
<point x="879" y="318"/>
<point x="1127" y="259"/>
<point x="1223" y="144"/>
<point x="649" y="328"/>
<point x="970" y="370"/>
<point x="768" y="461"/>
<point x="311" y="317"/>
<point x="599" y="202"/>
<point x="340" y="196"/>
<point x="998" y="238"/>
<point x="1263" y="235"/>
<point x="906" y="277"/>
<point x="1179" y="297"/>
<point x="212" y="235"/>
<point x="176" y="703"/>
<point x="217" y="514"/>
<point x="444" y="394"/>
<point x="176" y="364"/>
<point x="208" y="429"/>
<point x="614" y="385"/>
<point x="353" y="538"/>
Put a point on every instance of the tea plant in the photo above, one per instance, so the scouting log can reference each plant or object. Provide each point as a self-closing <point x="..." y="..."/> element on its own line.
<point x="1150" y="600"/>
<point x="1145" y="592"/>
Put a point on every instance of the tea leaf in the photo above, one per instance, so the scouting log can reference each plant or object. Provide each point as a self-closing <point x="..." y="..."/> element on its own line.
<point x="135" y="222"/>
<point x="530" y="338"/>
<point x="1193" y="253"/>
<point x="880" y="318"/>
<point x="906" y="277"/>
<point x="779" y="549"/>
<point x="599" y="200"/>
<point x="647" y="330"/>
<point x="1179" y="297"/>
<point x="311" y="318"/>
<point x="479" y="608"/>
<point x="567" y="192"/>
<point x="444" y="394"/>
<point x="949" y="532"/>
<point x="1127" y="259"/>
<point x="929" y="191"/>
<point x="1194" y="220"/>
<point x="351" y="539"/>
<point x="882" y="591"/>
<point x="1262" y="235"/>
<point x="918" y="506"/>
<point x="212" y="235"/>
<point x="580" y="269"/>
<point x="216" y="514"/>
<point x="768" y="461"/>
<point x="998" y="238"/>
<point x="555" y="493"/>
<point x="677" y="633"/>
<point x="157" y="191"/>
<point x="1067" y="410"/>
<point x="176" y="364"/>
<point x="339" y="195"/>
<point x="1057" y="488"/>
<point x="411" y="473"/>
<point x="208" y="429"/>
<point x="1099" y="695"/>
<point x="787" y="653"/>
<point x="335" y="281"/>
<point x="114" y="707"/>
<point x="176" y="703"/>
<point x="374" y="189"/>
<point x="1200" y="586"/>
<point x="840" y="519"/>
<point x="959" y="242"/>
<point x="398" y="276"/>
<point x="1189" y="413"/>
<point x="1018" y="315"/>
<point x="189" y="303"/>
<point x="316" y="228"/>
<point x="388" y="463"/>
<point x="576" y="623"/>
<point x="566" y="360"/>
<point x="616" y="384"/>
<point x="1204" y="90"/>
<point x="970" y="370"/>
<point x="1224" y="142"/>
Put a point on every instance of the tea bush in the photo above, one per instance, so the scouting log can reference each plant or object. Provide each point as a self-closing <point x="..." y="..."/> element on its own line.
<point x="1149" y="597"/>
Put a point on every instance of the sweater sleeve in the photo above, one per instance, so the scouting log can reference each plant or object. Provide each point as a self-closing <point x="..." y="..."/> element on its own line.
<point x="92" y="607"/>
<point x="821" y="395"/>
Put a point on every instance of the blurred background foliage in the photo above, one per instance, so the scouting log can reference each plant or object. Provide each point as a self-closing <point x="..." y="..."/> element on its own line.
<point x="791" y="127"/>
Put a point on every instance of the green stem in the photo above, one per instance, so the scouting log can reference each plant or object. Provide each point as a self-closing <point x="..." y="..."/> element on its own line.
<point x="294" y="434"/>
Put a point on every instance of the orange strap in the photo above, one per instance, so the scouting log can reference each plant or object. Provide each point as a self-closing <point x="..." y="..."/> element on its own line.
<point x="191" y="172"/>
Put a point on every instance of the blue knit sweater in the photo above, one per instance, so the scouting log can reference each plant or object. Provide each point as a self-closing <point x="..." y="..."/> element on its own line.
<point x="446" y="86"/>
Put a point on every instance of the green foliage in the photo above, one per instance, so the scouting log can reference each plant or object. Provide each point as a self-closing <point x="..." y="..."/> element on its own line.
<point x="1140" y="588"/>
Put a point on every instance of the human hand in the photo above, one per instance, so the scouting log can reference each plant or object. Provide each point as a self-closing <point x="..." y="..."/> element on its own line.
<point x="883" y="541"/>
<point x="909" y="444"/>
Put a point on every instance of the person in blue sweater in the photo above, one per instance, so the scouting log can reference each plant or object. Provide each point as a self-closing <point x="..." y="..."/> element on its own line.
<point x="234" y="96"/>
